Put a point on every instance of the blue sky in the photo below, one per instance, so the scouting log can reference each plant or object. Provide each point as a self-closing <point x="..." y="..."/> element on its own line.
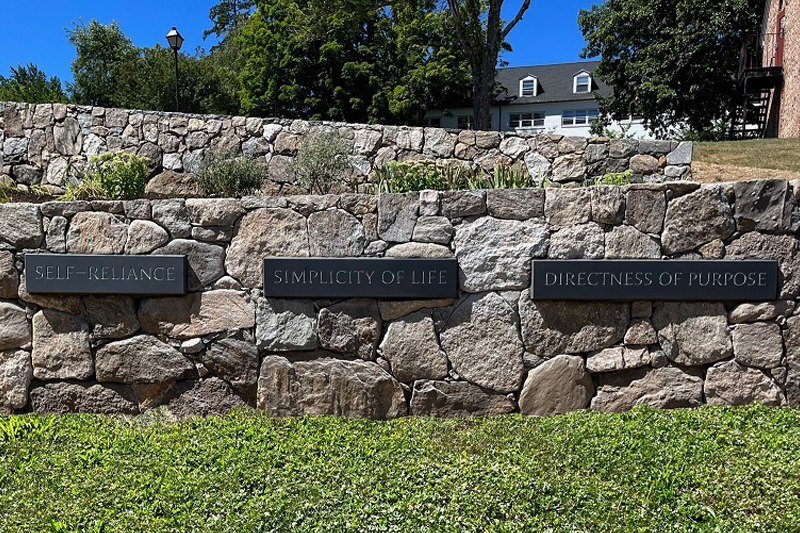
<point x="34" y="31"/>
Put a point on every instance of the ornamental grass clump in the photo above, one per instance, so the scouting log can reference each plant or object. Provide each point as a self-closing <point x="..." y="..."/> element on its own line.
<point x="226" y="175"/>
<point x="321" y="163"/>
<point x="408" y="177"/>
<point x="112" y="176"/>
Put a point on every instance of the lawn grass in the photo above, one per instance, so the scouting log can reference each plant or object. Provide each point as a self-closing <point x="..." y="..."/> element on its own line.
<point x="775" y="154"/>
<point x="701" y="470"/>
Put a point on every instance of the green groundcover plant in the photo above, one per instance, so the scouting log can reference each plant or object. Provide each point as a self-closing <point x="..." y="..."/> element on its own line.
<point x="710" y="469"/>
<point x="113" y="176"/>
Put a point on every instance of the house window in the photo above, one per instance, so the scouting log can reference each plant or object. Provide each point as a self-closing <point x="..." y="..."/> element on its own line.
<point x="433" y="122"/>
<point x="465" y="122"/>
<point x="528" y="86"/>
<point x="583" y="83"/>
<point x="579" y="117"/>
<point x="526" y="120"/>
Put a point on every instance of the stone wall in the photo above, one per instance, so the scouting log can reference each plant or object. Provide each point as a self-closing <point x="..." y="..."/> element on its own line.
<point x="492" y="350"/>
<point x="46" y="144"/>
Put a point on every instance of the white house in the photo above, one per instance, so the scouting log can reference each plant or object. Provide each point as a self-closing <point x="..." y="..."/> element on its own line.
<point x="542" y="99"/>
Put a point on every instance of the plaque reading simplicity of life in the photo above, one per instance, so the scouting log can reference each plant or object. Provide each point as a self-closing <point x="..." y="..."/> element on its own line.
<point x="301" y="277"/>
<point x="105" y="274"/>
<point x="654" y="280"/>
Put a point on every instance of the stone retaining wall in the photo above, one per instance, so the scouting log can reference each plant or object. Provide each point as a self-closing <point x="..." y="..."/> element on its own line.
<point x="492" y="350"/>
<point x="47" y="143"/>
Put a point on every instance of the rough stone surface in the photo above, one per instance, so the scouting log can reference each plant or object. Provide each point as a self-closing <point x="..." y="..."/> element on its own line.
<point x="205" y="262"/>
<point x="21" y="225"/>
<point x="263" y="233"/>
<point x="92" y="232"/>
<point x="61" y="346"/>
<point x="555" y="387"/>
<point x="482" y="342"/>
<point x="640" y="332"/>
<point x="214" y="211"/>
<point x="457" y="204"/>
<point x="412" y="349"/>
<point x="144" y="236"/>
<point x="693" y="334"/>
<point x="696" y="219"/>
<point x="759" y="344"/>
<point x="617" y="358"/>
<point x="627" y="242"/>
<point x="9" y="278"/>
<point x="236" y="362"/>
<point x="750" y="312"/>
<point x="335" y="233"/>
<point x="495" y="254"/>
<point x="552" y="327"/>
<point x="608" y="204"/>
<point x="783" y="248"/>
<point x="420" y="250"/>
<point x="14" y="328"/>
<point x="645" y="210"/>
<point x="568" y="206"/>
<point x="392" y="309"/>
<point x="105" y="399"/>
<point x="517" y="204"/>
<point x="662" y="388"/>
<point x="285" y="325"/>
<point x="112" y="317"/>
<point x="141" y="359"/>
<point x="328" y="386"/>
<point x="202" y="397"/>
<point x="196" y="314"/>
<point x="448" y="399"/>
<point x="351" y="327"/>
<point x="584" y="241"/>
<point x="763" y="205"/>
<point x="730" y="383"/>
<point x="433" y="229"/>
<point x="172" y="216"/>
<point x="397" y="215"/>
<point x="16" y="375"/>
<point x="170" y="184"/>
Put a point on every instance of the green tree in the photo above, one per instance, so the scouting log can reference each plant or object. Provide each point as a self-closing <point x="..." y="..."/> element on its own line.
<point x="228" y="15"/>
<point x="482" y="34"/>
<point x="351" y="60"/>
<point x="29" y="84"/>
<point x="673" y="62"/>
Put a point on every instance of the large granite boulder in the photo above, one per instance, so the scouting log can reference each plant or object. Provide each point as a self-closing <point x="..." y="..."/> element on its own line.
<point x="201" y="397"/>
<point x="516" y="204"/>
<point x="205" y="261"/>
<point x="759" y="344"/>
<point x="172" y="216"/>
<point x="141" y="359"/>
<point x="328" y="386"/>
<point x="553" y="327"/>
<point x="696" y="219"/>
<point x="645" y="209"/>
<point x="783" y="248"/>
<point x="335" y="233"/>
<point x="263" y="233"/>
<point x="664" y="388"/>
<point x="482" y="342"/>
<point x="284" y="325"/>
<point x="557" y="386"/>
<point x="447" y="399"/>
<point x="96" y="232"/>
<point x="397" y="215"/>
<point x="196" y="314"/>
<point x="627" y="242"/>
<point x="692" y="333"/>
<point x="14" y="328"/>
<point x="764" y="205"/>
<point x="21" y="225"/>
<point x="112" y="317"/>
<point x="61" y="346"/>
<point x="412" y="349"/>
<point x="236" y="362"/>
<point x="617" y="358"/>
<point x="730" y="383"/>
<point x="144" y="236"/>
<point x="16" y="374"/>
<point x="214" y="211"/>
<point x="563" y="207"/>
<point x="352" y="327"/>
<point x="495" y="254"/>
<point x="9" y="277"/>
<point x="582" y="241"/>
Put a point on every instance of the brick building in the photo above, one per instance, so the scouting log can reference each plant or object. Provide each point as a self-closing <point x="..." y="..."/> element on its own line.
<point x="780" y="41"/>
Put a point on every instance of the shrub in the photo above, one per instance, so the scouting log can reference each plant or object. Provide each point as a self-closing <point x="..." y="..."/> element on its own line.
<point x="615" y="178"/>
<point x="230" y="176"/>
<point x="321" y="162"/>
<point x="408" y="177"/>
<point x="115" y="176"/>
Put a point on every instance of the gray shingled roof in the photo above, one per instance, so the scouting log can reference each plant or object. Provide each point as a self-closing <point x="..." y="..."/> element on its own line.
<point x="555" y="83"/>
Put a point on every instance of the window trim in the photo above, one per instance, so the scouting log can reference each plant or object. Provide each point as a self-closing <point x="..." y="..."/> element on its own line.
<point x="533" y="118"/>
<point x="582" y="74"/>
<point x="590" y="114"/>
<point x="470" y="119"/>
<point x="535" y="86"/>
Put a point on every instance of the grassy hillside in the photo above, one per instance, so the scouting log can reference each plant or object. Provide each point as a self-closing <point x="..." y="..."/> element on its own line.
<point x="699" y="470"/>
<point x="737" y="160"/>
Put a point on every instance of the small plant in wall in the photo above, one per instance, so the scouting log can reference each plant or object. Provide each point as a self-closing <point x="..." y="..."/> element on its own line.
<point x="114" y="176"/>
<point x="226" y="175"/>
<point x="321" y="162"/>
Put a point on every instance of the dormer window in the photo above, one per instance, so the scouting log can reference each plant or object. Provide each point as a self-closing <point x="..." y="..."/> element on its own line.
<point x="583" y="83"/>
<point x="529" y="86"/>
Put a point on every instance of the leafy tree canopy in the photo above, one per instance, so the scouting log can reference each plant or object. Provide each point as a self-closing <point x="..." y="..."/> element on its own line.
<point x="352" y="60"/>
<point x="29" y="84"/>
<point x="673" y="62"/>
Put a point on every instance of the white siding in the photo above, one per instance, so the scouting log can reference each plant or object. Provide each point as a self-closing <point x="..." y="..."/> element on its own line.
<point x="552" y="122"/>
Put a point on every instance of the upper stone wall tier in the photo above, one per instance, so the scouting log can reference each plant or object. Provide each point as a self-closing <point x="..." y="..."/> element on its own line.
<point x="47" y="143"/>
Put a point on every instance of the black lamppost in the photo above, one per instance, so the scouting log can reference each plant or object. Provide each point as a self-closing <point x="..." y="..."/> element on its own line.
<point x="175" y="41"/>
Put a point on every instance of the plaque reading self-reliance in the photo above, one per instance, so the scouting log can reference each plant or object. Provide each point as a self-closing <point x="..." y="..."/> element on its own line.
<point x="654" y="280"/>
<point x="105" y="274"/>
<point x="301" y="277"/>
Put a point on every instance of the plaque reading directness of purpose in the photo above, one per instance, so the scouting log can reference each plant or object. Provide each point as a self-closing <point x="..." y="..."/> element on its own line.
<point x="302" y="277"/>
<point x="105" y="274"/>
<point x="654" y="280"/>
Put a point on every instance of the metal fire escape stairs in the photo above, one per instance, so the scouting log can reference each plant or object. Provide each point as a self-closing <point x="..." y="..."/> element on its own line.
<point x="756" y="88"/>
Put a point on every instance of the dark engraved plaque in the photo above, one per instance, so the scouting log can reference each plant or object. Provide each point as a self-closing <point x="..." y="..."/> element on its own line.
<point x="105" y="274"/>
<point x="654" y="280"/>
<point x="304" y="277"/>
